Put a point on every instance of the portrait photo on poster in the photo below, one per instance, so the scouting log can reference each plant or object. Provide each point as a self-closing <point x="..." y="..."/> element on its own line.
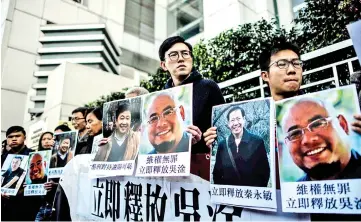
<point x="121" y="127"/>
<point x="38" y="167"/>
<point x="317" y="146"/>
<point x="166" y="115"/>
<point x="242" y="159"/>
<point x="13" y="173"/>
<point x="64" y="148"/>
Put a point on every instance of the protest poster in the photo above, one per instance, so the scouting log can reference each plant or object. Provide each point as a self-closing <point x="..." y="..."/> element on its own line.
<point x="37" y="173"/>
<point x="62" y="152"/>
<point x="13" y="173"/>
<point x="354" y="30"/>
<point x="319" y="153"/>
<point x="96" y="142"/>
<point x="129" y="198"/>
<point x="242" y="160"/>
<point x="121" y="131"/>
<point x="34" y="133"/>
<point x="165" y="145"/>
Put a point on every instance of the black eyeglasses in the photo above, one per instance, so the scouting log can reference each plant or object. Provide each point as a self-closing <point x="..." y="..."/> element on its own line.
<point x="76" y="119"/>
<point x="174" y="56"/>
<point x="284" y="63"/>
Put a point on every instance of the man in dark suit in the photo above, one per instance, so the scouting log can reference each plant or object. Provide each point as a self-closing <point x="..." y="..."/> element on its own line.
<point x="241" y="158"/>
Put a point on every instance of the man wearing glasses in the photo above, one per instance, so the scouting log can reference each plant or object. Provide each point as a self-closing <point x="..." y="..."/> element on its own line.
<point x="165" y="131"/>
<point x="79" y="123"/>
<point x="176" y="58"/>
<point x="318" y="141"/>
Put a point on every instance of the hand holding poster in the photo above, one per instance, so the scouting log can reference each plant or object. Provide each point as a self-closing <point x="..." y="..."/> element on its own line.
<point x="242" y="161"/>
<point x="165" y="144"/>
<point x="13" y="173"/>
<point x="62" y="152"/>
<point x="38" y="170"/>
<point x="319" y="154"/>
<point x="119" y="148"/>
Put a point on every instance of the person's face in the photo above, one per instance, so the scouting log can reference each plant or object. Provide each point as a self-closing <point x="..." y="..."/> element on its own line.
<point x="94" y="125"/>
<point x="64" y="146"/>
<point x="37" y="167"/>
<point x="123" y="122"/>
<point x="283" y="81"/>
<point x="15" y="164"/>
<point x="78" y="121"/>
<point x="16" y="139"/>
<point x="179" y="68"/>
<point x="168" y="127"/>
<point x="47" y="141"/>
<point x="236" y="121"/>
<point x="322" y="146"/>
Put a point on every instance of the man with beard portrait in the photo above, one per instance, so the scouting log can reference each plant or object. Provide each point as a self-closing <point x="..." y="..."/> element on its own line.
<point x="165" y="131"/>
<point x="318" y="141"/>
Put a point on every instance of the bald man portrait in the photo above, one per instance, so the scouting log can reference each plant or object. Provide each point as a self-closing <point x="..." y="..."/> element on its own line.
<point x="164" y="119"/>
<point x="318" y="139"/>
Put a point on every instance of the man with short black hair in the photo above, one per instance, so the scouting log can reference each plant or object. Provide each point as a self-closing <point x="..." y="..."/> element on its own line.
<point x="79" y="123"/>
<point x="177" y="58"/>
<point x="15" y="137"/>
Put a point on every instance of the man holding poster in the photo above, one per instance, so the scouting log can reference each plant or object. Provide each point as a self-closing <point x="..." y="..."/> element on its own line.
<point x="164" y="120"/>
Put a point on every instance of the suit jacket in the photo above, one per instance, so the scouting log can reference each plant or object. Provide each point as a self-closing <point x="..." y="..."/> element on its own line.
<point x="251" y="162"/>
<point x="130" y="153"/>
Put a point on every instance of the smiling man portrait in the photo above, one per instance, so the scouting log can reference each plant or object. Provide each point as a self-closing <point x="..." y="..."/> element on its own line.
<point x="317" y="137"/>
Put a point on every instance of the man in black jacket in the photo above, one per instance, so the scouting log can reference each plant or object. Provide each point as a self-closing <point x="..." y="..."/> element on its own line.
<point x="241" y="158"/>
<point x="177" y="58"/>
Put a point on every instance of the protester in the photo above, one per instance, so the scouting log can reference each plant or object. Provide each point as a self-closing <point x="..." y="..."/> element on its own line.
<point x="135" y="91"/>
<point x="15" y="137"/>
<point x="79" y="123"/>
<point x="46" y="142"/>
<point x="165" y="131"/>
<point x="10" y="205"/>
<point x="62" y="128"/>
<point x="245" y="150"/>
<point x="94" y="126"/>
<point x="177" y="58"/>
<point x="281" y="69"/>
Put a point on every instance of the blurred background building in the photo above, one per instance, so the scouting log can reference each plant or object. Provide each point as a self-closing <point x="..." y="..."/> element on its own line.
<point x="112" y="44"/>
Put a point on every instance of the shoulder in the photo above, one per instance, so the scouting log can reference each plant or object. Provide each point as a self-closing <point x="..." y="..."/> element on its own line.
<point x="209" y="83"/>
<point x="254" y="137"/>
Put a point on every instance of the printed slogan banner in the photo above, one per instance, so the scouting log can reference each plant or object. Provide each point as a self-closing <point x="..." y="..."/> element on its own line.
<point x="319" y="154"/>
<point x="165" y="145"/>
<point x="242" y="161"/>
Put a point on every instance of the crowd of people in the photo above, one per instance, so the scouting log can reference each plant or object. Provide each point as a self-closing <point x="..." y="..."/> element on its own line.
<point x="281" y="69"/>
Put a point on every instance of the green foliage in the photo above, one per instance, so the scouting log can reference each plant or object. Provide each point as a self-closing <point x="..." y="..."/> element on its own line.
<point x="235" y="52"/>
<point x="323" y="23"/>
<point x="157" y="82"/>
<point x="103" y="99"/>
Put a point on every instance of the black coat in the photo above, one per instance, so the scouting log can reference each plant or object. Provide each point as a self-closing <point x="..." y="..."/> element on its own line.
<point x="206" y="94"/>
<point x="251" y="162"/>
